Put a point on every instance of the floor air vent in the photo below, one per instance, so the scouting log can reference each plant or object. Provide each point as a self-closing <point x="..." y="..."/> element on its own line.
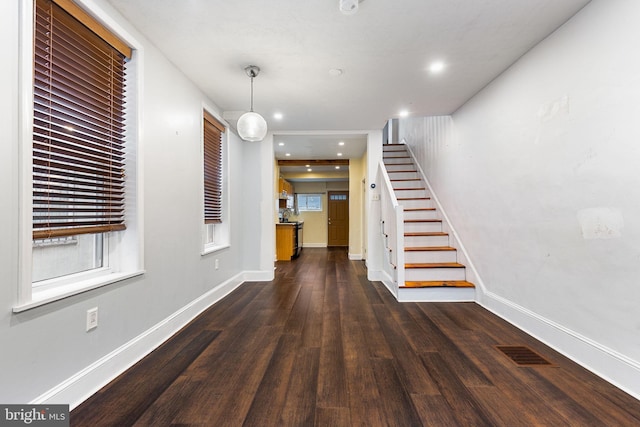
<point x="523" y="356"/>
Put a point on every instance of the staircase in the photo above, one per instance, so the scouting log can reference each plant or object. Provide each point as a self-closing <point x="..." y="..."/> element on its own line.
<point x="431" y="268"/>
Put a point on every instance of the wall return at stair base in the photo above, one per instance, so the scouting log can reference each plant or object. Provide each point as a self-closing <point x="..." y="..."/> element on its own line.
<point x="539" y="175"/>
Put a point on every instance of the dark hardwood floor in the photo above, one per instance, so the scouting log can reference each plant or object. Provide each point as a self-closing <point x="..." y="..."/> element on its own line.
<point x="321" y="345"/>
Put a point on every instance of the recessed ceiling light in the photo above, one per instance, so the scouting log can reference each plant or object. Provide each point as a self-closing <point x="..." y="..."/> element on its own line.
<point x="403" y="113"/>
<point x="436" y="67"/>
<point x="309" y="170"/>
<point x="337" y="167"/>
<point x="307" y="166"/>
<point x="339" y="154"/>
<point x="341" y="143"/>
<point x="278" y="116"/>
<point x="335" y="72"/>
<point x="288" y="154"/>
<point x="280" y="144"/>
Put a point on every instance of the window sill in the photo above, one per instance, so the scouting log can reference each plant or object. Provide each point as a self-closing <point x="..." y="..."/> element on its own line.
<point x="41" y="297"/>
<point x="213" y="248"/>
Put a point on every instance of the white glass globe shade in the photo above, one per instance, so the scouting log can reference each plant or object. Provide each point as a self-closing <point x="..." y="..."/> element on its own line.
<point x="252" y="127"/>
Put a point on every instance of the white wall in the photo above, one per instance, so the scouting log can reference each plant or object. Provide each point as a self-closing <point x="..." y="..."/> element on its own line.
<point x="357" y="168"/>
<point x="539" y="173"/>
<point x="315" y="223"/>
<point x="373" y="239"/>
<point x="45" y="346"/>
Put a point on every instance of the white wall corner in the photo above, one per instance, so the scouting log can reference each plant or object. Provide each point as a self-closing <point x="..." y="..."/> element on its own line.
<point x="259" y="276"/>
<point x="374" y="275"/>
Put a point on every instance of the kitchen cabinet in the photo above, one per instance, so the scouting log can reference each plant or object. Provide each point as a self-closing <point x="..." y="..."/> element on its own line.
<point x="288" y="240"/>
<point x="285" y="188"/>
<point x="285" y="194"/>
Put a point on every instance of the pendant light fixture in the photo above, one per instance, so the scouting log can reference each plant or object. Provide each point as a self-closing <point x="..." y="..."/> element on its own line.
<point x="252" y="126"/>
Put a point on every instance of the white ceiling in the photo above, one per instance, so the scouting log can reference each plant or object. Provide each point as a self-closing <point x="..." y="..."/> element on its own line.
<point x="384" y="50"/>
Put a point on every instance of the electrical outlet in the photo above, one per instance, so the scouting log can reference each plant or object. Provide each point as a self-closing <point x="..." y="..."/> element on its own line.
<point x="216" y="264"/>
<point x="92" y="318"/>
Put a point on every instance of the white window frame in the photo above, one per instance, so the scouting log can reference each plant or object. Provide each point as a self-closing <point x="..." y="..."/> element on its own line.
<point x="125" y="248"/>
<point x="304" y="209"/>
<point x="221" y="231"/>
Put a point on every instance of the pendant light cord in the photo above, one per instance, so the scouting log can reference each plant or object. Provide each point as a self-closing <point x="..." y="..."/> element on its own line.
<point x="251" y="94"/>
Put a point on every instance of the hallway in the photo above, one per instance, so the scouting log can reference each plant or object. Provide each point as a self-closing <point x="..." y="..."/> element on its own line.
<point x="321" y="345"/>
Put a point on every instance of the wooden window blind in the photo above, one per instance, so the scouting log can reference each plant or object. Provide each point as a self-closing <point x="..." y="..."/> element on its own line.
<point x="213" y="131"/>
<point x="78" y="128"/>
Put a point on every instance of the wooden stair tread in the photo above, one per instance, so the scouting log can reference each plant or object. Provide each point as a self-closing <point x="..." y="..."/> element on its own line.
<point x="417" y="209"/>
<point x="414" y="221"/>
<point x="408" y="189"/>
<point x="414" y="198"/>
<point x="434" y="265"/>
<point x="439" y="284"/>
<point x="404" y="179"/>
<point x="428" y="248"/>
<point x="427" y="233"/>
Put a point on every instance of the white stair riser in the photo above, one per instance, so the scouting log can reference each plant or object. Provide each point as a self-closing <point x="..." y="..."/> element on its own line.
<point x="407" y="184"/>
<point x="415" y="241"/>
<point x="396" y="160"/>
<point x="416" y="203"/>
<point x="420" y="214"/>
<point x="399" y="167"/>
<point x="388" y="154"/>
<point x="403" y="175"/>
<point x="436" y="294"/>
<point x="412" y="227"/>
<point x="400" y="193"/>
<point x="428" y="274"/>
<point x="414" y="257"/>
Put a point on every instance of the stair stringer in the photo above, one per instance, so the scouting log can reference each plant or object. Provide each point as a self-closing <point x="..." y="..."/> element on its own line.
<point x="454" y="238"/>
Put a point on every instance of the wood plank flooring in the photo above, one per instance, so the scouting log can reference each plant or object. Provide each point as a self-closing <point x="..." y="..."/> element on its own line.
<point x="321" y="345"/>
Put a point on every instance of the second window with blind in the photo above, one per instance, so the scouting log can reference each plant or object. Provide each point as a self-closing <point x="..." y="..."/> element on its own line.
<point x="216" y="230"/>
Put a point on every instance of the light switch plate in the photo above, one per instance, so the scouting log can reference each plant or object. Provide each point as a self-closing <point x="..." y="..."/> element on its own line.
<point x="92" y="318"/>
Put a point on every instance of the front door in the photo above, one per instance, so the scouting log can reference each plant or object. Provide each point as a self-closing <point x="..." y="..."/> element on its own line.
<point x="338" y="218"/>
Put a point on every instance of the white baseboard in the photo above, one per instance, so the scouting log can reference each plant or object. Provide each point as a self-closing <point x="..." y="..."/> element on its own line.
<point x="258" y="276"/>
<point x="388" y="282"/>
<point x="314" y="245"/>
<point x="385" y="278"/>
<point x="83" y="384"/>
<point x="610" y="365"/>
<point x="355" y="257"/>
